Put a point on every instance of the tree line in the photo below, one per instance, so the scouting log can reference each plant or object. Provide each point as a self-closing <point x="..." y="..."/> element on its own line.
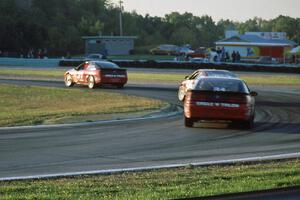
<point x="58" y="25"/>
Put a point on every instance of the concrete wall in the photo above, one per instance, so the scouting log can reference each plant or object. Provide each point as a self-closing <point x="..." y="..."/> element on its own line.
<point x="29" y="62"/>
<point x="118" y="46"/>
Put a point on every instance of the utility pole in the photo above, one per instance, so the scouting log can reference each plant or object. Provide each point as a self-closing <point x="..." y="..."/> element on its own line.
<point x="120" y="16"/>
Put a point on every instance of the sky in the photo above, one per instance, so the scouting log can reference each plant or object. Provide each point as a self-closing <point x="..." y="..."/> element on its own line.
<point x="236" y="10"/>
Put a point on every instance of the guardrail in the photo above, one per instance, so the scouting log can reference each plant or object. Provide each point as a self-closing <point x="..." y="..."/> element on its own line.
<point x="30" y="62"/>
<point x="189" y="65"/>
<point x="154" y="64"/>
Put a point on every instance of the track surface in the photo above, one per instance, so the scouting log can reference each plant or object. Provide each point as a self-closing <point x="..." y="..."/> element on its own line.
<point x="27" y="151"/>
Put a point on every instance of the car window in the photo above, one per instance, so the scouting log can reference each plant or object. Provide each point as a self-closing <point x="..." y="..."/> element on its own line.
<point x="80" y="67"/>
<point x="220" y="74"/>
<point x="106" y="65"/>
<point x="93" y="56"/>
<point x="222" y="85"/>
<point x="91" y="67"/>
<point x="194" y="75"/>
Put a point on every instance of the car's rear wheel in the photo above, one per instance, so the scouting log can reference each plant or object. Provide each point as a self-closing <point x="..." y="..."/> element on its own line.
<point x="248" y="124"/>
<point x="69" y="81"/>
<point x="91" y="82"/>
<point x="188" y="122"/>
<point x="120" y="86"/>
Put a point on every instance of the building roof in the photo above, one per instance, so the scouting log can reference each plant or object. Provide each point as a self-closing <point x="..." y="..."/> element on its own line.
<point x="255" y="40"/>
<point x="108" y="37"/>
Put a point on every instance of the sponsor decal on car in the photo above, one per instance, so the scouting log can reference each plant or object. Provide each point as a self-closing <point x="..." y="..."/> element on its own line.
<point x="215" y="104"/>
<point x="115" y="76"/>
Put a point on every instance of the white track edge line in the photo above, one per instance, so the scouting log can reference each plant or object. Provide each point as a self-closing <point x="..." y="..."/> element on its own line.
<point x="142" y="169"/>
<point x="154" y="116"/>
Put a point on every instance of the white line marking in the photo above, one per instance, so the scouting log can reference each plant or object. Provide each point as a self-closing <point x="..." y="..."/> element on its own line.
<point x="154" y="116"/>
<point x="141" y="169"/>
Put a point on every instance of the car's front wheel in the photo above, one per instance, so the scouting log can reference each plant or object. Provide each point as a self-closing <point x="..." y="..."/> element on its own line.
<point x="91" y="82"/>
<point x="69" y="81"/>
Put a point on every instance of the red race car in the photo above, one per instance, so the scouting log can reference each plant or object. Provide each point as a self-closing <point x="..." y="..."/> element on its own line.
<point x="96" y="73"/>
<point x="227" y="99"/>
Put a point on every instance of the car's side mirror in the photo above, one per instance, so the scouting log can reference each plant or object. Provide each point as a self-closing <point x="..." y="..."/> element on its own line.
<point x="253" y="93"/>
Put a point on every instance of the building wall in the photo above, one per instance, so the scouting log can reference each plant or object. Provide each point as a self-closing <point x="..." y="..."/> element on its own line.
<point x="255" y="51"/>
<point x="245" y="51"/>
<point x="94" y="46"/>
<point x="275" y="52"/>
<point x="116" y="46"/>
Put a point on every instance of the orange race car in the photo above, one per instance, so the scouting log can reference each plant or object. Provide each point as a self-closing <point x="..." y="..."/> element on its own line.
<point x="96" y="73"/>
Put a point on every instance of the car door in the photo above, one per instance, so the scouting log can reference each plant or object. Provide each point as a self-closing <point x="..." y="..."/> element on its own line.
<point x="80" y="73"/>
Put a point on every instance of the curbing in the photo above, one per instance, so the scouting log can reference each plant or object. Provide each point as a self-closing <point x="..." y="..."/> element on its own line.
<point x="104" y="122"/>
<point x="152" y="168"/>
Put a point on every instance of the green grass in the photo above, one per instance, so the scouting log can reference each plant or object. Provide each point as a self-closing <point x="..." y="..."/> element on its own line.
<point x="283" y="80"/>
<point x="30" y="105"/>
<point x="162" y="184"/>
<point x="275" y="79"/>
<point x="32" y="73"/>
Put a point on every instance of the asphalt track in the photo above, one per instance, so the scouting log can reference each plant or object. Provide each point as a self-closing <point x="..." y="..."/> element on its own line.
<point x="155" y="142"/>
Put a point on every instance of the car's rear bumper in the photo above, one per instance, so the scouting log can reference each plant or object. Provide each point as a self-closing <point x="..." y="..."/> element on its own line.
<point x="195" y="112"/>
<point x="113" y="81"/>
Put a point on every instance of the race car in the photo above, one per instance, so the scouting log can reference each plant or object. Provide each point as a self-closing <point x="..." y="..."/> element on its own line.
<point x="193" y="79"/>
<point x="96" y="73"/>
<point x="227" y="99"/>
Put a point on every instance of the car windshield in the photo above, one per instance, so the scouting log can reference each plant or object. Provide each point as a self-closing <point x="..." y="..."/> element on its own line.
<point x="93" y="56"/>
<point x="106" y="65"/>
<point x="220" y="74"/>
<point x="222" y="85"/>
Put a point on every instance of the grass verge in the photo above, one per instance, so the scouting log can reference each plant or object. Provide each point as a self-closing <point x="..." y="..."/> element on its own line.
<point x="30" y="105"/>
<point x="162" y="184"/>
<point x="276" y="79"/>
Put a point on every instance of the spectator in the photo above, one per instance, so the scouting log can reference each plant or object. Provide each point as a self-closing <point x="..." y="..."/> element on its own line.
<point x="39" y="54"/>
<point x="238" y="57"/>
<point x="223" y="55"/>
<point x="233" y="56"/>
<point x="227" y="58"/>
<point x="68" y="56"/>
<point x="30" y="53"/>
<point x="293" y="59"/>
<point x="45" y="53"/>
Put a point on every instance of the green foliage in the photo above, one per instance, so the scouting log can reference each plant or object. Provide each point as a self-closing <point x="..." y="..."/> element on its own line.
<point x="161" y="184"/>
<point x="26" y="105"/>
<point x="58" y="25"/>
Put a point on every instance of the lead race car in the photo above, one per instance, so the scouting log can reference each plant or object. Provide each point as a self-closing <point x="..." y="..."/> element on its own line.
<point x="96" y="73"/>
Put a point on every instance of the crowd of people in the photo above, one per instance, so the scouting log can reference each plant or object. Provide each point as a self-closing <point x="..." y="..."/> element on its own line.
<point x="39" y="54"/>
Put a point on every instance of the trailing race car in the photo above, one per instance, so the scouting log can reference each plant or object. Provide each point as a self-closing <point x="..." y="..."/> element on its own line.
<point x="227" y="99"/>
<point x="96" y="73"/>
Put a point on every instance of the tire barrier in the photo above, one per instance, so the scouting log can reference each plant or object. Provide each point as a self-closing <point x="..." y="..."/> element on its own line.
<point x="194" y="66"/>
